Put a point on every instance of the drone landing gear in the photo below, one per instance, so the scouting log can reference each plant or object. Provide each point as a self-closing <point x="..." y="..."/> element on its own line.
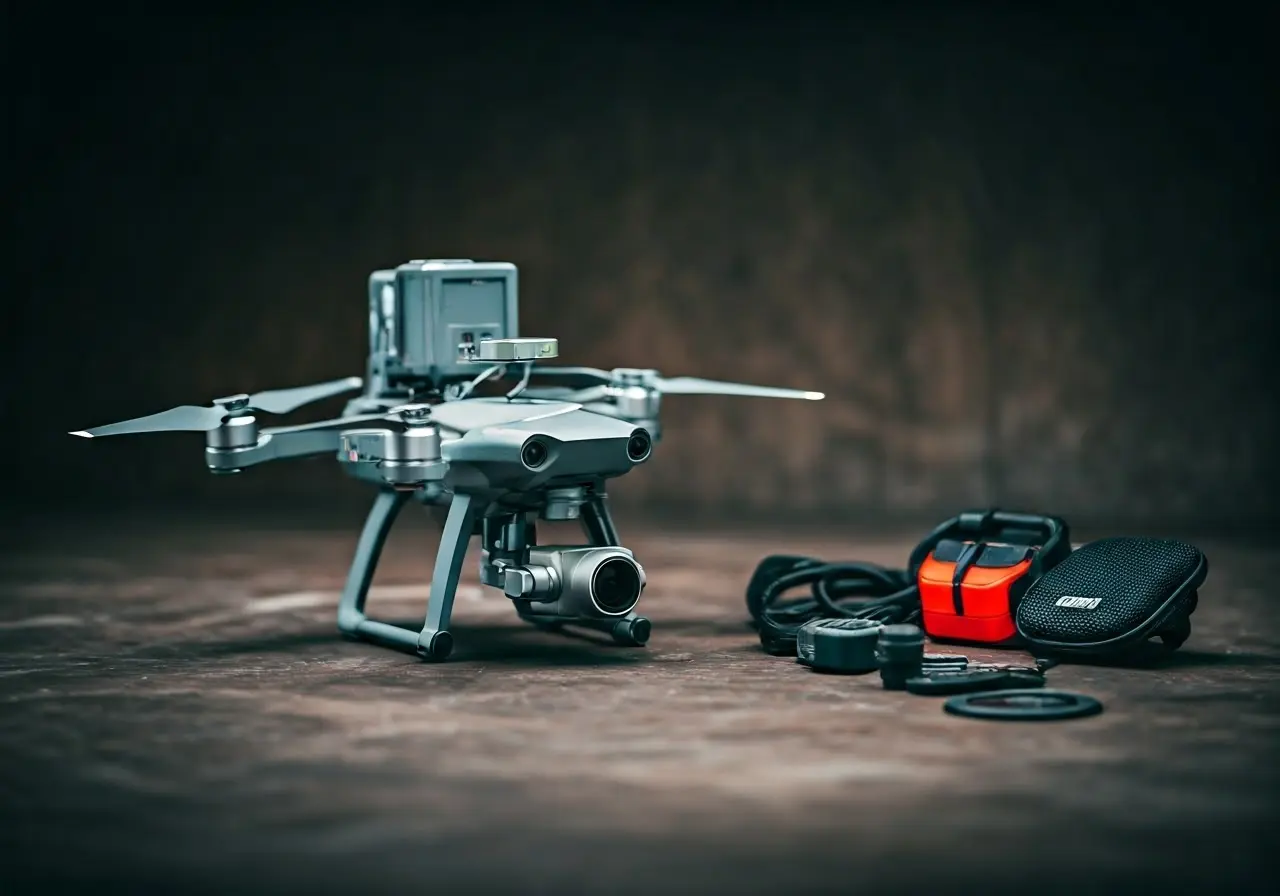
<point x="631" y="630"/>
<point x="434" y="643"/>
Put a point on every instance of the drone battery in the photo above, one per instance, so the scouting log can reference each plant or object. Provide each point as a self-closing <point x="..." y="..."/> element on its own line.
<point x="444" y="308"/>
<point x="840" y="646"/>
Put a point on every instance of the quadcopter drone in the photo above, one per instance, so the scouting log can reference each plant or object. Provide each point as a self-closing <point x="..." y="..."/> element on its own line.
<point x="439" y="330"/>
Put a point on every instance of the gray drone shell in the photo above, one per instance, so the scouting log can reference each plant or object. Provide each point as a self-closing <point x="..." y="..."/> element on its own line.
<point x="528" y="444"/>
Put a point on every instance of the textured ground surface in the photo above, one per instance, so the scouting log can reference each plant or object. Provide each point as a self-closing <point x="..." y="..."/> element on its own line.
<point x="176" y="707"/>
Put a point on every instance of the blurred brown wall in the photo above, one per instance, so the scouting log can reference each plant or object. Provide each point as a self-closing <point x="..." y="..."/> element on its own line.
<point x="1030" y="261"/>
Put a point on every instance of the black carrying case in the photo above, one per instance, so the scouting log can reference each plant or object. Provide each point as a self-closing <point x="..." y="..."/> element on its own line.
<point x="1117" y="599"/>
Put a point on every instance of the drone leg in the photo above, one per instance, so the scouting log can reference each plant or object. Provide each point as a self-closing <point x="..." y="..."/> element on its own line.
<point x="434" y="643"/>
<point x="351" y="619"/>
<point x="631" y="630"/>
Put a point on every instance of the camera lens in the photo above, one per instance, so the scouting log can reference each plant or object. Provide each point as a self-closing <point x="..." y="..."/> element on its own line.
<point x="533" y="454"/>
<point x="615" y="587"/>
<point x="638" y="446"/>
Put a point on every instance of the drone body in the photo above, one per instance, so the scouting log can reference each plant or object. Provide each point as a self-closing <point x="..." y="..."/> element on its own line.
<point x="438" y="330"/>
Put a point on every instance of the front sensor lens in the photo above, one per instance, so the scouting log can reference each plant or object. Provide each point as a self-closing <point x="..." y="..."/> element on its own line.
<point x="638" y="446"/>
<point x="533" y="454"/>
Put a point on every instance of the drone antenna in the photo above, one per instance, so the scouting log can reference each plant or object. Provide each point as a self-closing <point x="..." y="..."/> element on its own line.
<point x="469" y="387"/>
<point x="506" y="352"/>
<point x="524" y="381"/>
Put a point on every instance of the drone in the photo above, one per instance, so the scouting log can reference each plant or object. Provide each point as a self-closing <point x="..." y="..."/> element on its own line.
<point x="439" y="330"/>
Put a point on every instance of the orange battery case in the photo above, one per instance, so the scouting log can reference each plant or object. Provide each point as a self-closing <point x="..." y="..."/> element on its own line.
<point x="978" y="569"/>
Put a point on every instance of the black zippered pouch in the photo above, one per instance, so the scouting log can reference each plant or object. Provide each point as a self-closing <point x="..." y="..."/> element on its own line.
<point x="1117" y="599"/>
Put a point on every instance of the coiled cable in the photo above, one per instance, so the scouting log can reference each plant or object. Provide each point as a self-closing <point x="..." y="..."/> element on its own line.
<point x="853" y="590"/>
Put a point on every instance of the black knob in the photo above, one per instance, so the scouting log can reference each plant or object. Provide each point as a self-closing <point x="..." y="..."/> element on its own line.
<point x="900" y="654"/>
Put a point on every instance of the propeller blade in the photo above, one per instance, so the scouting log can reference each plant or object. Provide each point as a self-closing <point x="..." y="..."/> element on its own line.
<point x="187" y="418"/>
<point x="282" y="401"/>
<point x="577" y="396"/>
<point x="692" y="385"/>
<point x="581" y="373"/>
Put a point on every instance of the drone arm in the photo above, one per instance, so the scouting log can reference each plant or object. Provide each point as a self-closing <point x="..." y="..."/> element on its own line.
<point x="286" y="442"/>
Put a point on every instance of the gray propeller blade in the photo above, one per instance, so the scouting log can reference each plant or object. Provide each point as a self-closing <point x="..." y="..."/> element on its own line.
<point x="692" y="385"/>
<point x="189" y="418"/>
<point x="681" y="385"/>
<point x="282" y="401"/>
<point x="560" y="393"/>
<point x="581" y="373"/>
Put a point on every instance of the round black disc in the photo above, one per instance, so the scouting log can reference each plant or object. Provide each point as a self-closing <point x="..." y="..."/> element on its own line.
<point x="1025" y="705"/>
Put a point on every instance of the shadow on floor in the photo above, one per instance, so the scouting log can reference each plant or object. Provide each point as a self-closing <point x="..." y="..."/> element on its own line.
<point x="517" y="645"/>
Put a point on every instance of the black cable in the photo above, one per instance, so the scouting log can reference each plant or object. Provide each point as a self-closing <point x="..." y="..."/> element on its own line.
<point x="852" y="590"/>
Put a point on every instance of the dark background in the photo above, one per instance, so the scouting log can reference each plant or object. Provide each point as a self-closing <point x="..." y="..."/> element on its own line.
<point x="1029" y="257"/>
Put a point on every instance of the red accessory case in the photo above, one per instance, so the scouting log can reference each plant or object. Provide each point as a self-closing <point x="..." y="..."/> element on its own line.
<point x="976" y="567"/>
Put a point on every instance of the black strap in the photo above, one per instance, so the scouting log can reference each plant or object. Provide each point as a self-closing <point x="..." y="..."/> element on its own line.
<point x="967" y="558"/>
<point x="975" y="522"/>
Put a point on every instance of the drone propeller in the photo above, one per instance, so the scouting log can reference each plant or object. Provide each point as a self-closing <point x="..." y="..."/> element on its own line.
<point x="191" y="418"/>
<point x="580" y="374"/>
<point x="650" y="379"/>
<point x="692" y="385"/>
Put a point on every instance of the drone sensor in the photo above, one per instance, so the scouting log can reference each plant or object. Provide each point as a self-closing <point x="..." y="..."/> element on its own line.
<point x="534" y="454"/>
<point x="639" y="446"/>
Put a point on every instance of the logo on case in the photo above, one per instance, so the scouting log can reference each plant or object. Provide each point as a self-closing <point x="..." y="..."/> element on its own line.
<point x="1078" y="603"/>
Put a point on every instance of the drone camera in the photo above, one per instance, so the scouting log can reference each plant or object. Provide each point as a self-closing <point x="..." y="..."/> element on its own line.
<point x="616" y="586"/>
<point x="577" y="582"/>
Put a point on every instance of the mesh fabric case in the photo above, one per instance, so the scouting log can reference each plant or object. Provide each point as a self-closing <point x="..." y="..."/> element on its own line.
<point x="1113" y="599"/>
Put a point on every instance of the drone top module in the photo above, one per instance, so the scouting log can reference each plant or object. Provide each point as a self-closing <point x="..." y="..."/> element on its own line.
<point x="438" y="331"/>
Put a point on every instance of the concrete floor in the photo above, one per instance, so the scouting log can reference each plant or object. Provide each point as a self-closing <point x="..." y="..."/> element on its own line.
<point x="177" y="712"/>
